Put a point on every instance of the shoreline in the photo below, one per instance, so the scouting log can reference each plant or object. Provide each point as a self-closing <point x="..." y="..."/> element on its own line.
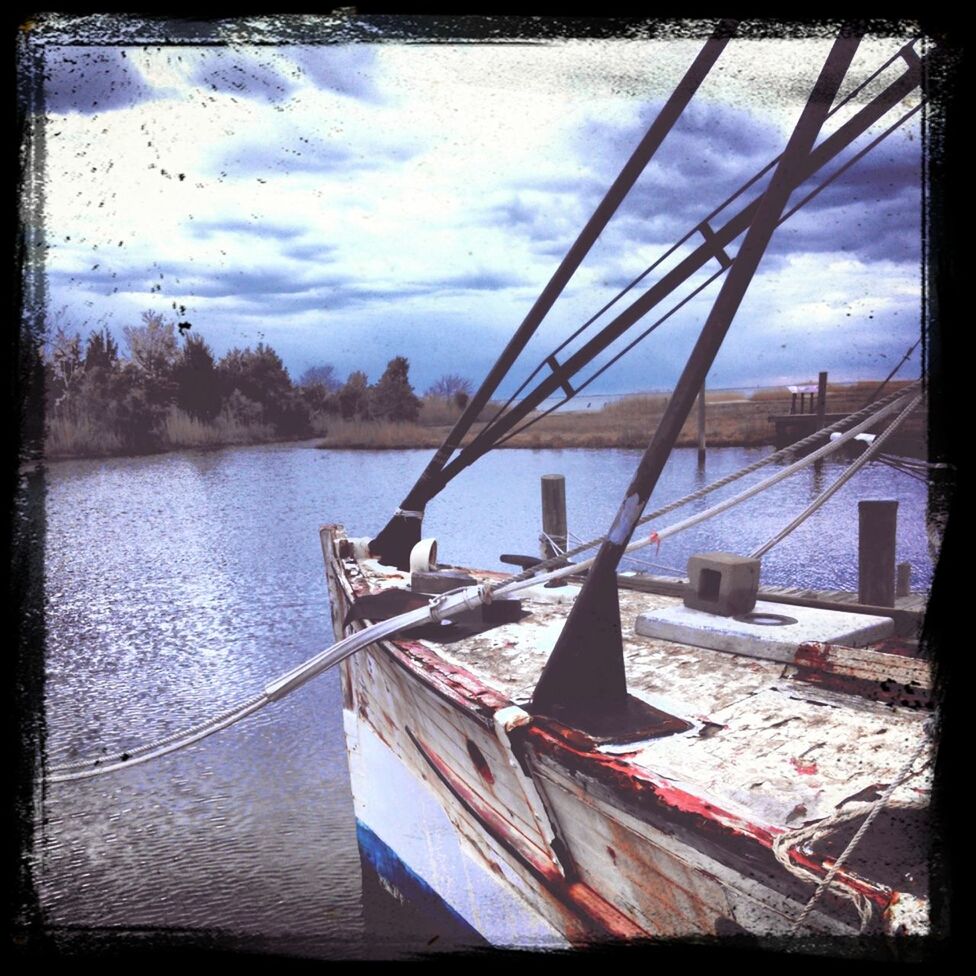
<point x="31" y="464"/>
<point x="627" y="424"/>
<point x="316" y="442"/>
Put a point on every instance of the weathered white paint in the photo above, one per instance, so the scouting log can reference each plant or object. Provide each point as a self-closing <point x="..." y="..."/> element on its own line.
<point x="406" y="815"/>
<point x="666" y="882"/>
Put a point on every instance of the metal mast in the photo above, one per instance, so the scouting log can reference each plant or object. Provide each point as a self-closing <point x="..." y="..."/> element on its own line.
<point x="402" y="532"/>
<point x="584" y="678"/>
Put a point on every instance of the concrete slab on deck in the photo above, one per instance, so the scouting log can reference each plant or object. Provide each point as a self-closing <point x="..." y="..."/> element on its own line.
<point x="772" y="641"/>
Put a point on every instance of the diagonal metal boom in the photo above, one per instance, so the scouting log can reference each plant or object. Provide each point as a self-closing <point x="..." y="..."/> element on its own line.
<point x="402" y="532"/>
<point x="826" y="151"/>
<point x="584" y="680"/>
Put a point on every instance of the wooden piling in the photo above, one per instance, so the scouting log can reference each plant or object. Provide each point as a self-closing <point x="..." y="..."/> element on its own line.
<point x="877" y="521"/>
<point x="903" y="579"/>
<point x="821" y="399"/>
<point x="553" y="513"/>
<point x="701" y="427"/>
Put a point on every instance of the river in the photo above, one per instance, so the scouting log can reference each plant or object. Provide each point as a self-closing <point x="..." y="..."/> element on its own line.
<point x="179" y="584"/>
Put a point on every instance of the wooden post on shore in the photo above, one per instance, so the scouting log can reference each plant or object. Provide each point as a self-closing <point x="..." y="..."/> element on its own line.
<point x="821" y="400"/>
<point x="701" y="427"/>
<point x="553" y="514"/>
<point x="903" y="579"/>
<point x="877" y="521"/>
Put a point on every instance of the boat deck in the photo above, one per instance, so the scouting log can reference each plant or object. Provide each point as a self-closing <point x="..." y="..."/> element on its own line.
<point x="768" y="740"/>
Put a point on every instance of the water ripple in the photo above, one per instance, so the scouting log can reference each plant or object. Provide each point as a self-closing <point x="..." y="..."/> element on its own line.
<point x="179" y="584"/>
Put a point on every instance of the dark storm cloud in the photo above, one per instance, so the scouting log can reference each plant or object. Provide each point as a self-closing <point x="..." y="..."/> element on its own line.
<point x="867" y="231"/>
<point x="549" y="222"/>
<point x="706" y="157"/>
<point x="889" y="170"/>
<point x="89" y="80"/>
<point x="233" y="72"/>
<point x="347" y="70"/>
<point x="712" y="151"/>
<point x="871" y="211"/>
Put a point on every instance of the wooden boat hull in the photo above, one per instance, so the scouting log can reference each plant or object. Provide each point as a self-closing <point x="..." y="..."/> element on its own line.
<point x="531" y="834"/>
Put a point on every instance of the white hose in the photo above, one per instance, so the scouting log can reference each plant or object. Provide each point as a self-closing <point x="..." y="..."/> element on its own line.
<point x="440" y="608"/>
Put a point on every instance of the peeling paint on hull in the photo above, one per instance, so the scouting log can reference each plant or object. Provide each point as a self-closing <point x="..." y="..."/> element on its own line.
<point x="604" y="843"/>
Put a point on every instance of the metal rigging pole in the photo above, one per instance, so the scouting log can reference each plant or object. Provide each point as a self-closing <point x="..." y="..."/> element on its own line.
<point x="394" y="542"/>
<point x="402" y="532"/>
<point x="584" y="680"/>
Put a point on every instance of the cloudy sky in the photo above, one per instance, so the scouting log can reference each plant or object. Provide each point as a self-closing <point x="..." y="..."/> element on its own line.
<point x="350" y="202"/>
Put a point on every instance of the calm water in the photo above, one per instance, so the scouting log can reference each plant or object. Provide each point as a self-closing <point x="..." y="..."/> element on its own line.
<point x="179" y="584"/>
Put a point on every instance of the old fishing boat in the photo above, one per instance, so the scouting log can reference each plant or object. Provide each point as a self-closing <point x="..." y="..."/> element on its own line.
<point x="573" y="755"/>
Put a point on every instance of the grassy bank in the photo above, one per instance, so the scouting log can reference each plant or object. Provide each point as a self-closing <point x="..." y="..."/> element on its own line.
<point x="731" y="420"/>
<point x="82" y="435"/>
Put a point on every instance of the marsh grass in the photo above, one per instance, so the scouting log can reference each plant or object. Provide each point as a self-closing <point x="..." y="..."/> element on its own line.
<point x="381" y="434"/>
<point x="83" y="435"/>
<point x="179" y="429"/>
<point x="80" y="436"/>
<point x="732" y="419"/>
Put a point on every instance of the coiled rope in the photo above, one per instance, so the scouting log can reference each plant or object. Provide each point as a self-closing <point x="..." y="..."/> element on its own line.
<point x="808" y="835"/>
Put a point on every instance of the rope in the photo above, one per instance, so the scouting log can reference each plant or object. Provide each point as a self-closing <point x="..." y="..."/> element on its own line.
<point x="646" y="562"/>
<point x="544" y="537"/>
<point x="783" y="843"/>
<point x="884" y="382"/>
<point x="786" y="452"/>
<point x="824" y="496"/>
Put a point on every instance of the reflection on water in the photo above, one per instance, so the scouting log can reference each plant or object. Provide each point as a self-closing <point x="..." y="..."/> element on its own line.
<point x="179" y="584"/>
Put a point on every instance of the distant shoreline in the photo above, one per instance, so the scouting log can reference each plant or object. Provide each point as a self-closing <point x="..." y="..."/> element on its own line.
<point x="626" y="423"/>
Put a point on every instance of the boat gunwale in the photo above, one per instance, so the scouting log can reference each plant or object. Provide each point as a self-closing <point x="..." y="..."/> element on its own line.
<point x="575" y="753"/>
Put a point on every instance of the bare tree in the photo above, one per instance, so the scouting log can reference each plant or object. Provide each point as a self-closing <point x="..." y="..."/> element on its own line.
<point x="324" y="376"/>
<point x="67" y="364"/>
<point x="152" y="345"/>
<point x="449" y="386"/>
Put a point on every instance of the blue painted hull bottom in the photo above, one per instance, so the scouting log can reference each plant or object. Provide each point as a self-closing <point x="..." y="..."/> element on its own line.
<point x="401" y="910"/>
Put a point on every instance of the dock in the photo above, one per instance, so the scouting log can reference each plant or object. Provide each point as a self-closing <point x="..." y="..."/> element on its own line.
<point x="808" y="414"/>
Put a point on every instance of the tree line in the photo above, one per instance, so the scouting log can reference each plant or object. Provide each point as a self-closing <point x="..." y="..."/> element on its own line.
<point x="170" y="368"/>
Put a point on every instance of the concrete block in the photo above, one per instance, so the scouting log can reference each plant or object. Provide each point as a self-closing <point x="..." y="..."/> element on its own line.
<point x="722" y="583"/>
<point x="772" y="640"/>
